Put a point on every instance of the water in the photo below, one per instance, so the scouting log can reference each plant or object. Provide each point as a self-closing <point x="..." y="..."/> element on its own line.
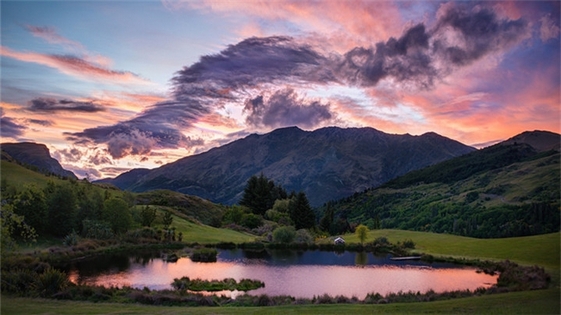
<point x="284" y="272"/>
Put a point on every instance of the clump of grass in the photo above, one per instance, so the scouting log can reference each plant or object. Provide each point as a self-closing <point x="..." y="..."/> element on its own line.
<point x="204" y="254"/>
<point x="227" y="284"/>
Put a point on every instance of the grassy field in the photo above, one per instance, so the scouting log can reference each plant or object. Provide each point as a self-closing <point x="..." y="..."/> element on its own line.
<point x="543" y="250"/>
<point x="18" y="176"/>
<point x="530" y="302"/>
<point x="199" y="233"/>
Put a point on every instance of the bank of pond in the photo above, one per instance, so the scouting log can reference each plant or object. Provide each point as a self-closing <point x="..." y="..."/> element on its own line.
<point x="265" y="276"/>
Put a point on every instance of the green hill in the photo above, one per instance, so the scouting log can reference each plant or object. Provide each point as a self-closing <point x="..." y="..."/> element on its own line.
<point x="16" y="178"/>
<point x="509" y="189"/>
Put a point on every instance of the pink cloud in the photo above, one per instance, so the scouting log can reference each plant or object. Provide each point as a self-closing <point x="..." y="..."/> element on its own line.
<point x="74" y="66"/>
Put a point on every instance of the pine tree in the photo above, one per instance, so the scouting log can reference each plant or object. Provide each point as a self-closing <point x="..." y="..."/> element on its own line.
<point x="301" y="213"/>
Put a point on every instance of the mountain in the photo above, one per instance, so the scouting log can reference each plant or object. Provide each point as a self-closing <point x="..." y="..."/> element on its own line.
<point x="126" y="179"/>
<point x="508" y="189"/>
<point x="539" y="140"/>
<point x="35" y="155"/>
<point x="326" y="164"/>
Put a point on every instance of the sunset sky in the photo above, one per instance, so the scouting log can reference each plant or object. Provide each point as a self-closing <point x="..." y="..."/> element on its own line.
<point x="114" y="85"/>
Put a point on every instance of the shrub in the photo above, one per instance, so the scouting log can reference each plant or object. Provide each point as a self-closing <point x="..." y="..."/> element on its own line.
<point x="51" y="281"/>
<point x="284" y="234"/>
<point x="303" y="236"/>
<point x="70" y="239"/>
<point x="204" y="254"/>
<point x="251" y="221"/>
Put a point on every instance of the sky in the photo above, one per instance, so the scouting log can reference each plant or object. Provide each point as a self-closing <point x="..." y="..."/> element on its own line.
<point x="113" y="85"/>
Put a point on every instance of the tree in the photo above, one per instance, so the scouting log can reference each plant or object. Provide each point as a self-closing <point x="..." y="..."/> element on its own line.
<point x="9" y="223"/>
<point x="301" y="213"/>
<point x="362" y="233"/>
<point x="260" y="194"/>
<point x="116" y="213"/>
<point x="32" y="205"/>
<point x="147" y="216"/>
<point x="326" y="221"/>
<point x="167" y="220"/>
<point x="62" y="208"/>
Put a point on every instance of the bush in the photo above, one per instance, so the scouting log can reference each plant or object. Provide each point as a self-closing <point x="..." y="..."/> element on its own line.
<point x="204" y="254"/>
<point x="251" y="221"/>
<point x="51" y="281"/>
<point x="303" y="236"/>
<point x="70" y="239"/>
<point x="284" y="234"/>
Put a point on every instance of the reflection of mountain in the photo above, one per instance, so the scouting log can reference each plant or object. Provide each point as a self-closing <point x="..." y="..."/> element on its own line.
<point x="326" y="164"/>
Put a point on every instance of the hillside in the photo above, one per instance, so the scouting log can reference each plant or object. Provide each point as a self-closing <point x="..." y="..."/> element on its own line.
<point x="504" y="190"/>
<point x="326" y="163"/>
<point x="17" y="177"/>
<point x="36" y="156"/>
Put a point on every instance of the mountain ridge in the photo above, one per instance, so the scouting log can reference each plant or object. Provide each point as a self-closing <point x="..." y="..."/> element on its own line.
<point x="36" y="155"/>
<point x="325" y="163"/>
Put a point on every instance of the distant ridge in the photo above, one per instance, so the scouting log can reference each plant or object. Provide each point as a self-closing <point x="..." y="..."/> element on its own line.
<point x="538" y="139"/>
<point x="36" y="155"/>
<point x="326" y="164"/>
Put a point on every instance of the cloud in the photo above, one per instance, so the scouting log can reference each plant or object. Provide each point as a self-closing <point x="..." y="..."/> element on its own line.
<point x="463" y="35"/>
<point x="52" y="105"/>
<point x="548" y="29"/>
<point x="264" y="76"/>
<point x="50" y="35"/>
<point x="249" y="64"/>
<point x="44" y="123"/>
<point x="69" y="155"/>
<point x="284" y="108"/>
<point x="74" y="66"/>
<point x="154" y="130"/>
<point x="9" y="127"/>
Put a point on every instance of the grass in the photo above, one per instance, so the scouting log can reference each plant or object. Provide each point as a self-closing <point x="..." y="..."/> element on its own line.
<point x="528" y="302"/>
<point x="542" y="250"/>
<point x="199" y="233"/>
<point x="18" y="176"/>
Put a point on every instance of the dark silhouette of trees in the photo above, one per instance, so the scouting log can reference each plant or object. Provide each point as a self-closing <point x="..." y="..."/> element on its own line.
<point x="301" y="213"/>
<point x="62" y="208"/>
<point x="260" y="194"/>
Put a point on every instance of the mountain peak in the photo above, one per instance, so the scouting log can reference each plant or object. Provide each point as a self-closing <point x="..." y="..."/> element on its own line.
<point x="326" y="164"/>
<point x="540" y="140"/>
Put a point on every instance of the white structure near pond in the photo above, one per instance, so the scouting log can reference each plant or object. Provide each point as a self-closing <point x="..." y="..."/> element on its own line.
<point x="339" y="241"/>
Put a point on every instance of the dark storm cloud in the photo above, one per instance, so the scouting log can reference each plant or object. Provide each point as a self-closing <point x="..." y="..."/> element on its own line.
<point x="52" y="105"/>
<point x="9" y="128"/>
<point x="284" y="108"/>
<point x="404" y="59"/>
<point x="481" y="32"/>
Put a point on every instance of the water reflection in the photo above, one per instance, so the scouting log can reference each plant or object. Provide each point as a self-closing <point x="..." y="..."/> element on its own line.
<point x="285" y="272"/>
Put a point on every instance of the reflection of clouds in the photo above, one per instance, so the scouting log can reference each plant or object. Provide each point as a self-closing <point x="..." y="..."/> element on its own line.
<point x="300" y="280"/>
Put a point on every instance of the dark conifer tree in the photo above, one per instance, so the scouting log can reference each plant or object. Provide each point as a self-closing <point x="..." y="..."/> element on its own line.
<point x="301" y="213"/>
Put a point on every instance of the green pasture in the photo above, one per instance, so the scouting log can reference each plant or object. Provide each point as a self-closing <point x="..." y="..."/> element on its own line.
<point x="528" y="302"/>
<point x="200" y="233"/>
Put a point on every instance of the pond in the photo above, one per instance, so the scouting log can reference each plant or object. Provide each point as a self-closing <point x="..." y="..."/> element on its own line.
<point x="285" y="272"/>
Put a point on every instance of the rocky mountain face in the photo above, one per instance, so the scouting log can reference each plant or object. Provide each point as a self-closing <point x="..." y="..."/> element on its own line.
<point x="327" y="164"/>
<point x="35" y="155"/>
